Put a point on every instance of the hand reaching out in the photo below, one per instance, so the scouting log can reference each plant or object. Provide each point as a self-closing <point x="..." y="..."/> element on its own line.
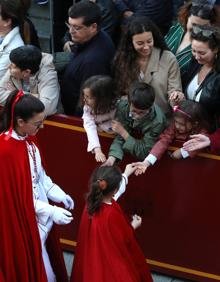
<point x="136" y="221"/>
<point x="197" y="141"/>
<point x="129" y="169"/>
<point x="99" y="156"/>
<point x="176" y="155"/>
<point x="141" y="167"/>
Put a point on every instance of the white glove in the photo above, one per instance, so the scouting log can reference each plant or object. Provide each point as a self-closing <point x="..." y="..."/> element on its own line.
<point x="57" y="195"/>
<point x="68" y="202"/>
<point x="61" y="216"/>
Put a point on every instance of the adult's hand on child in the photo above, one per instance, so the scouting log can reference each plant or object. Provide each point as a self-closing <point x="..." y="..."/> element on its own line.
<point x="175" y="97"/>
<point x="176" y="155"/>
<point x="110" y="161"/>
<point x="61" y="216"/>
<point x="136" y="221"/>
<point x="197" y="141"/>
<point x="99" y="156"/>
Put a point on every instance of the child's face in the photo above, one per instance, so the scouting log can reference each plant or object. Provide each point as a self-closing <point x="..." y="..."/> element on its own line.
<point x="138" y="113"/>
<point x="88" y="98"/>
<point x="182" y="125"/>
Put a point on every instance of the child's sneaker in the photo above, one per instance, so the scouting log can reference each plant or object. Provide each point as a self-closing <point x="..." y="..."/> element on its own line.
<point x="41" y="2"/>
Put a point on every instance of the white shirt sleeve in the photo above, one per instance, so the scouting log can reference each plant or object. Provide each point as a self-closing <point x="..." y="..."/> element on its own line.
<point x="122" y="187"/>
<point x="184" y="153"/>
<point x="151" y="159"/>
<point x="91" y="129"/>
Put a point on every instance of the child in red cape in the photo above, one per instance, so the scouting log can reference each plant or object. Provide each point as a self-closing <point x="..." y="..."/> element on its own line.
<point x="107" y="250"/>
<point x="26" y="215"/>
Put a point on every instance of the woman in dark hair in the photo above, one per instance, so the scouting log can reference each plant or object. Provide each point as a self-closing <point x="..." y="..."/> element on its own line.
<point x="26" y="215"/>
<point x="178" y="38"/>
<point x="143" y="55"/>
<point x="202" y="81"/>
<point x="106" y="241"/>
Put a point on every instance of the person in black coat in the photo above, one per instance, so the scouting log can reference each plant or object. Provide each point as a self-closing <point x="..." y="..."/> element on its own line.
<point x="159" y="11"/>
<point x="92" y="53"/>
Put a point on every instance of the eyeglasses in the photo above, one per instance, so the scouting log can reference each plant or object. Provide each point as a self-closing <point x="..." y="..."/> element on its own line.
<point x="74" y="27"/>
<point x="140" y="114"/>
<point x="205" y="31"/>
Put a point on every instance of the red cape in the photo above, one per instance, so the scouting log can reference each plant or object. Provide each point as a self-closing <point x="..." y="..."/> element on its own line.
<point x="20" y="246"/>
<point x="107" y="249"/>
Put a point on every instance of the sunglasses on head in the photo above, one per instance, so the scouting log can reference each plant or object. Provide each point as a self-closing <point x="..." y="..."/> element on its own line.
<point x="206" y="32"/>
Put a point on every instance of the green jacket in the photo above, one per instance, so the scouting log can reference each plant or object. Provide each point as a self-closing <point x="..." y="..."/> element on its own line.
<point x="150" y="127"/>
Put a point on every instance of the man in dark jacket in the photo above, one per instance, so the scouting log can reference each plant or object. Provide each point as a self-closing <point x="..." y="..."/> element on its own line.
<point x="159" y="11"/>
<point x="92" y="50"/>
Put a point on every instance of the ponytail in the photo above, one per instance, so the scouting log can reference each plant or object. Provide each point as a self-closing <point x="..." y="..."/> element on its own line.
<point x="94" y="198"/>
<point x="104" y="181"/>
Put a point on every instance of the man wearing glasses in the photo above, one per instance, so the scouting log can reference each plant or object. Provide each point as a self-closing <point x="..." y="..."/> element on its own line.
<point x="92" y="52"/>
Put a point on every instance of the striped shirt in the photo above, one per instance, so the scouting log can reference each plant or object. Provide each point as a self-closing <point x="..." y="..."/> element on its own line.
<point x="173" y="40"/>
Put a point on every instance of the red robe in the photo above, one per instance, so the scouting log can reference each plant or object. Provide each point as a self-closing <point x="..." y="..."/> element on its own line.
<point x="20" y="246"/>
<point x="107" y="250"/>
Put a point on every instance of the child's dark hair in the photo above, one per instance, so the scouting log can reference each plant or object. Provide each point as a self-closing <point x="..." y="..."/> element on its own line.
<point x="26" y="57"/>
<point x="26" y="107"/>
<point x="103" y="90"/>
<point x="193" y="112"/>
<point x="141" y="95"/>
<point x="111" y="175"/>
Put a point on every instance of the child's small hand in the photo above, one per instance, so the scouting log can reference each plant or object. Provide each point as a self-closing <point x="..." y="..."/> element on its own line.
<point x="141" y="167"/>
<point x="176" y="155"/>
<point x="118" y="128"/>
<point x="136" y="221"/>
<point x="129" y="169"/>
<point x="99" y="156"/>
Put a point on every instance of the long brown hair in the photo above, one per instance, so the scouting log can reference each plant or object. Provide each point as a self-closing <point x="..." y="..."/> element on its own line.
<point x="125" y="67"/>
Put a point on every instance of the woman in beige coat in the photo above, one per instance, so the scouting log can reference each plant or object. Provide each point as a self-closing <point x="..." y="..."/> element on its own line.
<point x="143" y="55"/>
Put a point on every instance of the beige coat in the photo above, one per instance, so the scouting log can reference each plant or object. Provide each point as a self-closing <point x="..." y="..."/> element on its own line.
<point x="163" y="75"/>
<point x="44" y="85"/>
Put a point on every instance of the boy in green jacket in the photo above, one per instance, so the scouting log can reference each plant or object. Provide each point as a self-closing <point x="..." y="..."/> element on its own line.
<point x="136" y="116"/>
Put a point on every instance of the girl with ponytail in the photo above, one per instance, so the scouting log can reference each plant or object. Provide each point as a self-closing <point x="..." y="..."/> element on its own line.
<point x="106" y="247"/>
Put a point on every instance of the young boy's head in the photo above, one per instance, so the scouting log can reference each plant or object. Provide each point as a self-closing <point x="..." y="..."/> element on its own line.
<point x="25" y="61"/>
<point x="141" y="98"/>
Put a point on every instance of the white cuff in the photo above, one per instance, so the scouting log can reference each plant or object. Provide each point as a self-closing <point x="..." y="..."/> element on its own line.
<point x="184" y="153"/>
<point x="151" y="159"/>
<point x="125" y="178"/>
